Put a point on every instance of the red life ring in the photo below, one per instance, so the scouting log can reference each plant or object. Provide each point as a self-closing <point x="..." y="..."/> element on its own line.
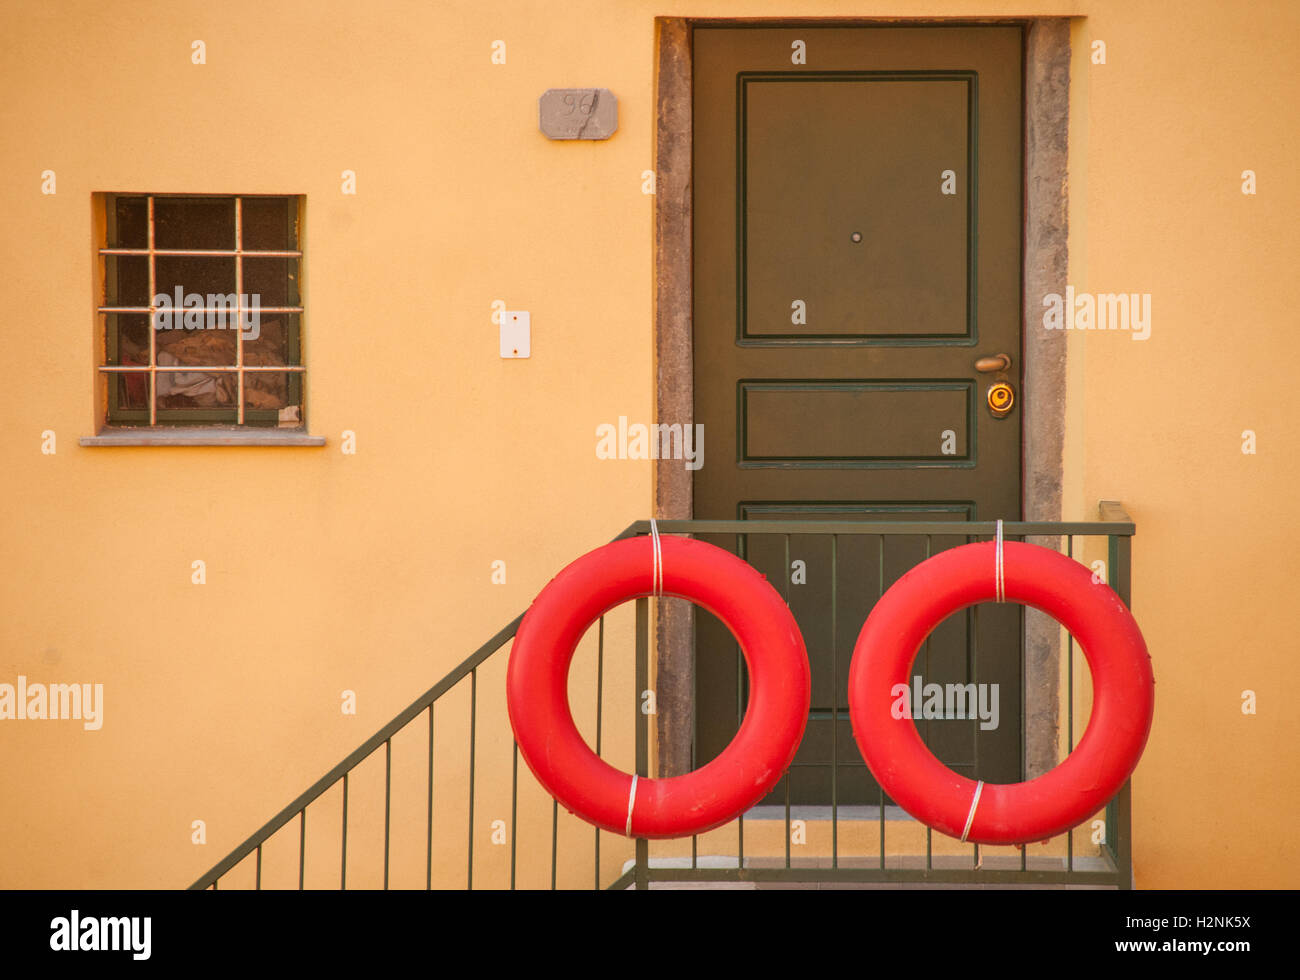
<point x="1018" y="813"/>
<point x="746" y="770"/>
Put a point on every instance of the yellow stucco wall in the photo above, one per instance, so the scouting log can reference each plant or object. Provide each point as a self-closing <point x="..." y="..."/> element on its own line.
<point x="371" y="572"/>
<point x="1158" y="145"/>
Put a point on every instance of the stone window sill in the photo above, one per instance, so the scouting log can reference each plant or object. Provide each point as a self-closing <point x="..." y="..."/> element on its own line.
<point x="215" y="435"/>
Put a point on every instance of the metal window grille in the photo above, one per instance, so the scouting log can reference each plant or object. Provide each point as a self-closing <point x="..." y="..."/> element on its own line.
<point x="118" y="304"/>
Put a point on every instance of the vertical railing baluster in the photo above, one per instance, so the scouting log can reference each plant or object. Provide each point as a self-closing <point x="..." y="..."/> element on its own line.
<point x="258" y="884"/>
<point x="1111" y="822"/>
<point x="1123" y="842"/>
<point x="600" y="697"/>
<point x="695" y="701"/>
<point x="1069" y="671"/>
<point x="642" y="741"/>
<point x="1069" y="836"/>
<point x="694" y="733"/>
<point x="880" y="556"/>
<point x="787" y="818"/>
<point x="740" y="717"/>
<point x="1025" y="849"/>
<point x="302" y="845"/>
<point x="740" y="841"/>
<point x="785" y="575"/>
<point x="473" y="719"/>
<point x="835" y="706"/>
<point x="1120" y="553"/>
<point x="555" y="833"/>
<point x="785" y="588"/>
<point x="428" y="829"/>
<point x="388" y="801"/>
<point x="929" y="832"/>
<point x="514" y="811"/>
<point x="974" y="626"/>
<point x="343" y="870"/>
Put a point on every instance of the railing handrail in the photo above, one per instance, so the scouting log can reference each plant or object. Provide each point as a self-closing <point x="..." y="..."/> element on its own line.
<point x="408" y="714"/>
<point x="318" y="788"/>
<point x="1115" y="523"/>
<point x="1120" y="525"/>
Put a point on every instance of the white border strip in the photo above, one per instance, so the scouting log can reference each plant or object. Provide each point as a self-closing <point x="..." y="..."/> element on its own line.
<point x="970" y="817"/>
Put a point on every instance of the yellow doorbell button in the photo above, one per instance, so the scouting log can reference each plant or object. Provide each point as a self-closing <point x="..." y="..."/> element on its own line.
<point x="1001" y="399"/>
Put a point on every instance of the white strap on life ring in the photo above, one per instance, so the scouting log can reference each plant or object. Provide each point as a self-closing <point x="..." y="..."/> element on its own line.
<point x="999" y="573"/>
<point x="658" y="580"/>
<point x="1000" y="590"/>
<point x="657" y="577"/>
<point x="659" y="561"/>
<point x="970" y="817"/>
<point x="631" y="802"/>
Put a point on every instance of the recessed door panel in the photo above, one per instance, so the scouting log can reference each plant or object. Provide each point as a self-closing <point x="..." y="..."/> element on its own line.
<point x="838" y="217"/>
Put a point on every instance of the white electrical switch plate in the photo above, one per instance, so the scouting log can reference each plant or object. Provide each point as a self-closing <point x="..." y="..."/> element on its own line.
<point x="515" y="333"/>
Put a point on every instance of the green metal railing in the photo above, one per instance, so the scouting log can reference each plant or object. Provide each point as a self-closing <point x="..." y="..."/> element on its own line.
<point x="1115" y="869"/>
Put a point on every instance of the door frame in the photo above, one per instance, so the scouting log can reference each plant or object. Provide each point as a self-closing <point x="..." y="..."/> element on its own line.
<point x="1044" y="257"/>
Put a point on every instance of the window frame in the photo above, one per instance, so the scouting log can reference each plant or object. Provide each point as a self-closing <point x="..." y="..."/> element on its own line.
<point x="116" y="418"/>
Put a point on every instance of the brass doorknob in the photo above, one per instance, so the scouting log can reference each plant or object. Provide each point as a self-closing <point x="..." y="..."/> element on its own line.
<point x="996" y="362"/>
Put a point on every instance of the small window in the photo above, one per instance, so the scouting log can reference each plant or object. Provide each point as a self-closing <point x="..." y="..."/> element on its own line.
<point x="202" y="310"/>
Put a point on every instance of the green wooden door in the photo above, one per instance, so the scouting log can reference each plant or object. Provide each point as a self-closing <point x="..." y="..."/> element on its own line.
<point x="857" y="229"/>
